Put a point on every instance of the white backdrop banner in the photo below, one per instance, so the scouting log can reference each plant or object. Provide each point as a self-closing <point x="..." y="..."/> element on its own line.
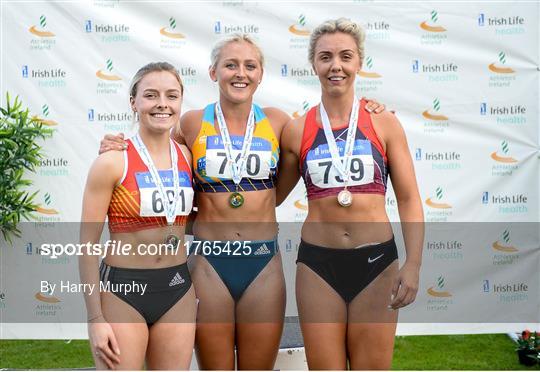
<point x="463" y="79"/>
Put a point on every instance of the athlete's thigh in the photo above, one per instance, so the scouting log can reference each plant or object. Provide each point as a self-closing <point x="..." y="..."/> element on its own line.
<point x="259" y="318"/>
<point x="130" y="330"/>
<point x="372" y="326"/>
<point x="170" y="345"/>
<point x="215" y="333"/>
<point x="323" y="316"/>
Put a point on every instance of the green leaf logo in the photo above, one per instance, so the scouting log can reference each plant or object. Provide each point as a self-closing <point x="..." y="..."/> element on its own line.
<point x="504" y="146"/>
<point x="502" y="57"/>
<point x="45" y="110"/>
<point x="47" y="198"/>
<point x="172" y="23"/>
<point x="440" y="282"/>
<point x="434" y="16"/>
<point x="43" y="21"/>
<point x="436" y="104"/>
<point x="506" y="236"/>
<point x="109" y="65"/>
<point x="439" y="193"/>
<point x="302" y="20"/>
<point x="369" y="62"/>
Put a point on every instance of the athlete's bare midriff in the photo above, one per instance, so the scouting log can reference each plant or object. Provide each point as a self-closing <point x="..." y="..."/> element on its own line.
<point x="147" y="249"/>
<point x="254" y="220"/>
<point x="330" y="225"/>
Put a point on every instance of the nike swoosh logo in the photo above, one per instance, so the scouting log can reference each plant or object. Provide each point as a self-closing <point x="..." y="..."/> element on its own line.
<point x="369" y="260"/>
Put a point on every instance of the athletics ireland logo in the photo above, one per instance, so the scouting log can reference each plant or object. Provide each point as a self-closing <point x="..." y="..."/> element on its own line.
<point x="504" y="158"/>
<point x="501" y="70"/>
<point x="299" y="113"/>
<point x="436" y="115"/>
<point x="41" y="31"/>
<point x="369" y="74"/>
<point x="503" y="244"/>
<point x="436" y="201"/>
<point x="433" y="20"/>
<point x="438" y="289"/>
<point x="45" y="209"/>
<point x="170" y="30"/>
<point x="108" y="73"/>
<point x="299" y="28"/>
<point x="43" y="120"/>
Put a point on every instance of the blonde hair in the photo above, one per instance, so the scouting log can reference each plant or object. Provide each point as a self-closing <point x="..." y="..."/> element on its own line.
<point x="235" y="38"/>
<point x="333" y="26"/>
<point x="152" y="67"/>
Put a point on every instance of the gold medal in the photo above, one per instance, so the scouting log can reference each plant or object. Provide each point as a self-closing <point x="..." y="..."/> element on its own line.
<point x="344" y="198"/>
<point x="236" y="199"/>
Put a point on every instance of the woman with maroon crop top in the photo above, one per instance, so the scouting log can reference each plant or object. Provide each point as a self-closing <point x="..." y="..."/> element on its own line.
<point x="348" y="284"/>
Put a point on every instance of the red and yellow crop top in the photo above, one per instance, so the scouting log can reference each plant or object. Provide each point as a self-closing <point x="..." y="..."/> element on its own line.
<point x="136" y="203"/>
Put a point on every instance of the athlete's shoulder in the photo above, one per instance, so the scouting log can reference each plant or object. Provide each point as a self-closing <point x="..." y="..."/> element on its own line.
<point x="109" y="166"/>
<point x="190" y="124"/>
<point x="274" y="113"/>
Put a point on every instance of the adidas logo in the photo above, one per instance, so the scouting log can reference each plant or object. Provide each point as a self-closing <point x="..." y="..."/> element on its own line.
<point x="176" y="280"/>
<point x="263" y="249"/>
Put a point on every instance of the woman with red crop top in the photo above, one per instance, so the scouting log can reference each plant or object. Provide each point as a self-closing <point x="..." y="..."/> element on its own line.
<point x="142" y="308"/>
<point x="348" y="283"/>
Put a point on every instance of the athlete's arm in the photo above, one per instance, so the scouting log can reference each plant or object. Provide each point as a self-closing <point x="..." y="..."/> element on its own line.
<point x="102" y="178"/>
<point x="409" y="205"/>
<point x="289" y="171"/>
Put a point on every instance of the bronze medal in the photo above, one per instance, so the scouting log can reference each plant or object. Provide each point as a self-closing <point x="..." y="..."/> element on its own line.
<point x="345" y="198"/>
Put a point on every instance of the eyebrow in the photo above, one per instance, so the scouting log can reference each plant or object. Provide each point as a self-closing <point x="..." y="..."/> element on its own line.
<point x="156" y="90"/>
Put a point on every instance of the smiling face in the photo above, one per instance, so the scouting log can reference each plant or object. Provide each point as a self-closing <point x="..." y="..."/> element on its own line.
<point x="336" y="62"/>
<point x="238" y="71"/>
<point x="158" y="101"/>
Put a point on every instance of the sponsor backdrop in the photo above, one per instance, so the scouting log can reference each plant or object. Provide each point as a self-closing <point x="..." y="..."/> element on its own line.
<point x="463" y="79"/>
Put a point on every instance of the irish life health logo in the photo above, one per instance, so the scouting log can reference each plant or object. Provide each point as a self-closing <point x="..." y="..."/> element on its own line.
<point x="44" y="119"/>
<point x="40" y="30"/>
<point x="299" y="28"/>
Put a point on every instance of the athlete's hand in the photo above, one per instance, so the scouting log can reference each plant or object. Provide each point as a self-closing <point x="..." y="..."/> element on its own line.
<point x="374" y="106"/>
<point x="103" y="343"/>
<point x="405" y="286"/>
<point x="112" y="142"/>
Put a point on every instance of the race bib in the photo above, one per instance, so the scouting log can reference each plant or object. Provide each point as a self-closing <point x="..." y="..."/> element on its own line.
<point x="259" y="161"/>
<point x="151" y="201"/>
<point x="324" y="175"/>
